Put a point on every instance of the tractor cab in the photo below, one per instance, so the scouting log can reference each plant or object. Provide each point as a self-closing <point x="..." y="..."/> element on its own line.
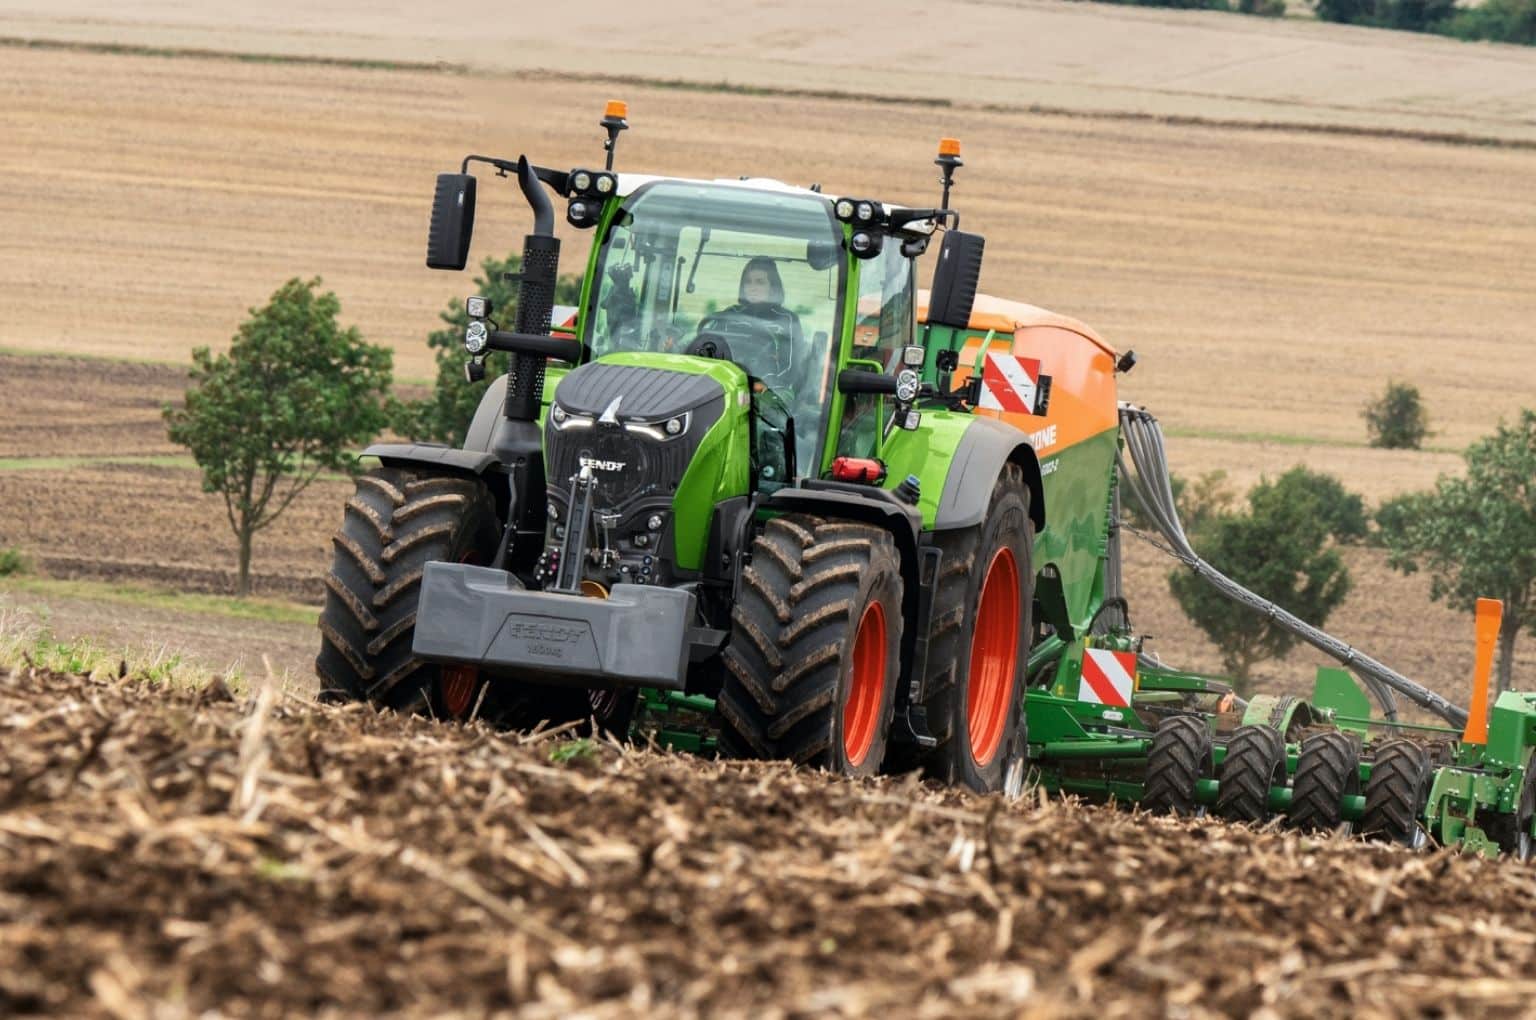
<point x="760" y="275"/>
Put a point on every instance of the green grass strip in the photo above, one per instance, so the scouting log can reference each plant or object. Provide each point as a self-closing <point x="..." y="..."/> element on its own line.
<point x="224" y="606"/>
<point x="1282" y="439"/>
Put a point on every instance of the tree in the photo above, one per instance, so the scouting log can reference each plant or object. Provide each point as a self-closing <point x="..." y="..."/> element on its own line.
<point x="292" y="396"/>
<point x="1396" y="420"/>
<point x="444" y="417"/>
<point x="1282" y="549"/>
<point x="1341" y="513"/>
<point x="1476" y="536"/>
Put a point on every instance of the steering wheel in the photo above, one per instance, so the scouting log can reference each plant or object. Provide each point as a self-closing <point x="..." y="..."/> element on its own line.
<point x="709" y="345"/>
<point x="741" y="329"/>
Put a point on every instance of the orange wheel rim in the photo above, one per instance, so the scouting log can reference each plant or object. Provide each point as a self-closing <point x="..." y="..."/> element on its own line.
<point x="458" y="682"/>
<point x="459" y="689"/>
<point x="994" y="657"/>
<point x="866" y="691"/>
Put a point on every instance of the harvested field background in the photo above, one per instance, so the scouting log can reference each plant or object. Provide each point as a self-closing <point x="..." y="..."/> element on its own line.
<point x="1278" y="216"/>
<point x="1271" y="281"/>
<point x="166" y="852"/>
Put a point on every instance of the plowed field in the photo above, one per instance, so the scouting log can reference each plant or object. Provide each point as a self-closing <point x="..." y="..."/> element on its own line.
<point x="167" y="853"/>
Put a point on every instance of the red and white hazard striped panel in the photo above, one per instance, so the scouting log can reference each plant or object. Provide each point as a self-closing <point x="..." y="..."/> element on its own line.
<point x="1010" y="383"/>
<point x="563" y="317"/>
<point x="1108" y="677"/>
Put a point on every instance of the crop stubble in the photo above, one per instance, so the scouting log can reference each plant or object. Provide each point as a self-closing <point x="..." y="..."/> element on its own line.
<point x="177" y="849"/>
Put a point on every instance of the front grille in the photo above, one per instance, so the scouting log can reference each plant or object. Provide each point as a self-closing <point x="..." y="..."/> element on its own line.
<point x="628" y="466"/>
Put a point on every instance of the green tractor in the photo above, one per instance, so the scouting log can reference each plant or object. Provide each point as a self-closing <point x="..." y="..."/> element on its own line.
<point x="738" y="497"/>
<point x="759" y="496"/>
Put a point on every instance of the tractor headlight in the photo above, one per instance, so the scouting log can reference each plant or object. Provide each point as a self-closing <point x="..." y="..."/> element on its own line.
<point x="865" y="244"/>
<point x="906" y="386"/>
<point x="475" y="337"/>
<point x="561" y="419"/>
<point x="583" y="212"/>
<point x="661" y="430"/>
<point x="862" y="212"/>
<point x="477" y="307"/>
<point x="581" y="180"/>
<point x="604" y="184"/>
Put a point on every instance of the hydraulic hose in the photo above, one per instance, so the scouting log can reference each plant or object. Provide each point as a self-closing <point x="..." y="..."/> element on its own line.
<point x="1147" y="478"/>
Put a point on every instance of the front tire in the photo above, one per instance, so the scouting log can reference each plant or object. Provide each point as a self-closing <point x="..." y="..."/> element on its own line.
<point x="815" y="648"/>
<point x="395" y="523"/>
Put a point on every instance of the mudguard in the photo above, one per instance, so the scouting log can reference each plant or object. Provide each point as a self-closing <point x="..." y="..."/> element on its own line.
<point x="431" y="455"/>
<point x="987" y="445"/>
<point x="475" y="458"/>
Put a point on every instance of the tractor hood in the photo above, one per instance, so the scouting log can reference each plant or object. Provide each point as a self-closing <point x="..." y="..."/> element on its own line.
<point x="620" y="394"/>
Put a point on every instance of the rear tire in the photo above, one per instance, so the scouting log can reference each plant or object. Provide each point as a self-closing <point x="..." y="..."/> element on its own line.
<point x="979" y="641"/>
<point x="815" y="648"/>
<point x="395" y="522"/>
<point x="1255" y="762"/>
<point x="1179" y="758"/>
<point x="1327" y="771"/>
<point x="1396" y="793"/>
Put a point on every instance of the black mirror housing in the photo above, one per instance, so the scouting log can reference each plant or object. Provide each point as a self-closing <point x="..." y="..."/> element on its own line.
<point x="955" y="279"/>
<point x="453" y="221"/>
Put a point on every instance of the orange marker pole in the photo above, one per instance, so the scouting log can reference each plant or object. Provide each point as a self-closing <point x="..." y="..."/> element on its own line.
<point x="1490" y="613"/>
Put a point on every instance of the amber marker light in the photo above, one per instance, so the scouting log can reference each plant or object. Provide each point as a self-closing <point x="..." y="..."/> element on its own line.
<point x="619" y="109"/>
<point x="949" y="146"/>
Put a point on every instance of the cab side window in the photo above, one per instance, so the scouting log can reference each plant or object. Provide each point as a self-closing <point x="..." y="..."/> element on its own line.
<point x="882" y="327"/>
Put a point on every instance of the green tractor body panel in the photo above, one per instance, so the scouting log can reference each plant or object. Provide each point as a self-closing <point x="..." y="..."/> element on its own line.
<point x="721" y="467"/>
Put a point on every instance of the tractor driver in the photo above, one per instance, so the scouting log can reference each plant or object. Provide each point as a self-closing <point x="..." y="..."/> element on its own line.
<point x="763" y="334"/>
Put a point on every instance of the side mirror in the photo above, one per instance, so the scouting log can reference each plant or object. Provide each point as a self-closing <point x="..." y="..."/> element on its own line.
<point x="821" y="255"/>
<point x="453" y="221"/>
<point x="955" y="279"/>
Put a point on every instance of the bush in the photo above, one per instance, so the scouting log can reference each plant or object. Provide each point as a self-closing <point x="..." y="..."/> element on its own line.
<point x="444" y="416"/>
<point x="1511" y="21"/>
<point x="12" y="562"/>
<point x="1409" y="15"/>
<point x="1397" y="420"/>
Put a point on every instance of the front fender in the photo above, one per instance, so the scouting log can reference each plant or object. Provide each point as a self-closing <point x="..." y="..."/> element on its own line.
<point x="432" y="455"/>
<point x="987" y="445"/>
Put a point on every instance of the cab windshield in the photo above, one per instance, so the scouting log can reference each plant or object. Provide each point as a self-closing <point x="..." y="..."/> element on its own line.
<point x="752" y="276"/>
